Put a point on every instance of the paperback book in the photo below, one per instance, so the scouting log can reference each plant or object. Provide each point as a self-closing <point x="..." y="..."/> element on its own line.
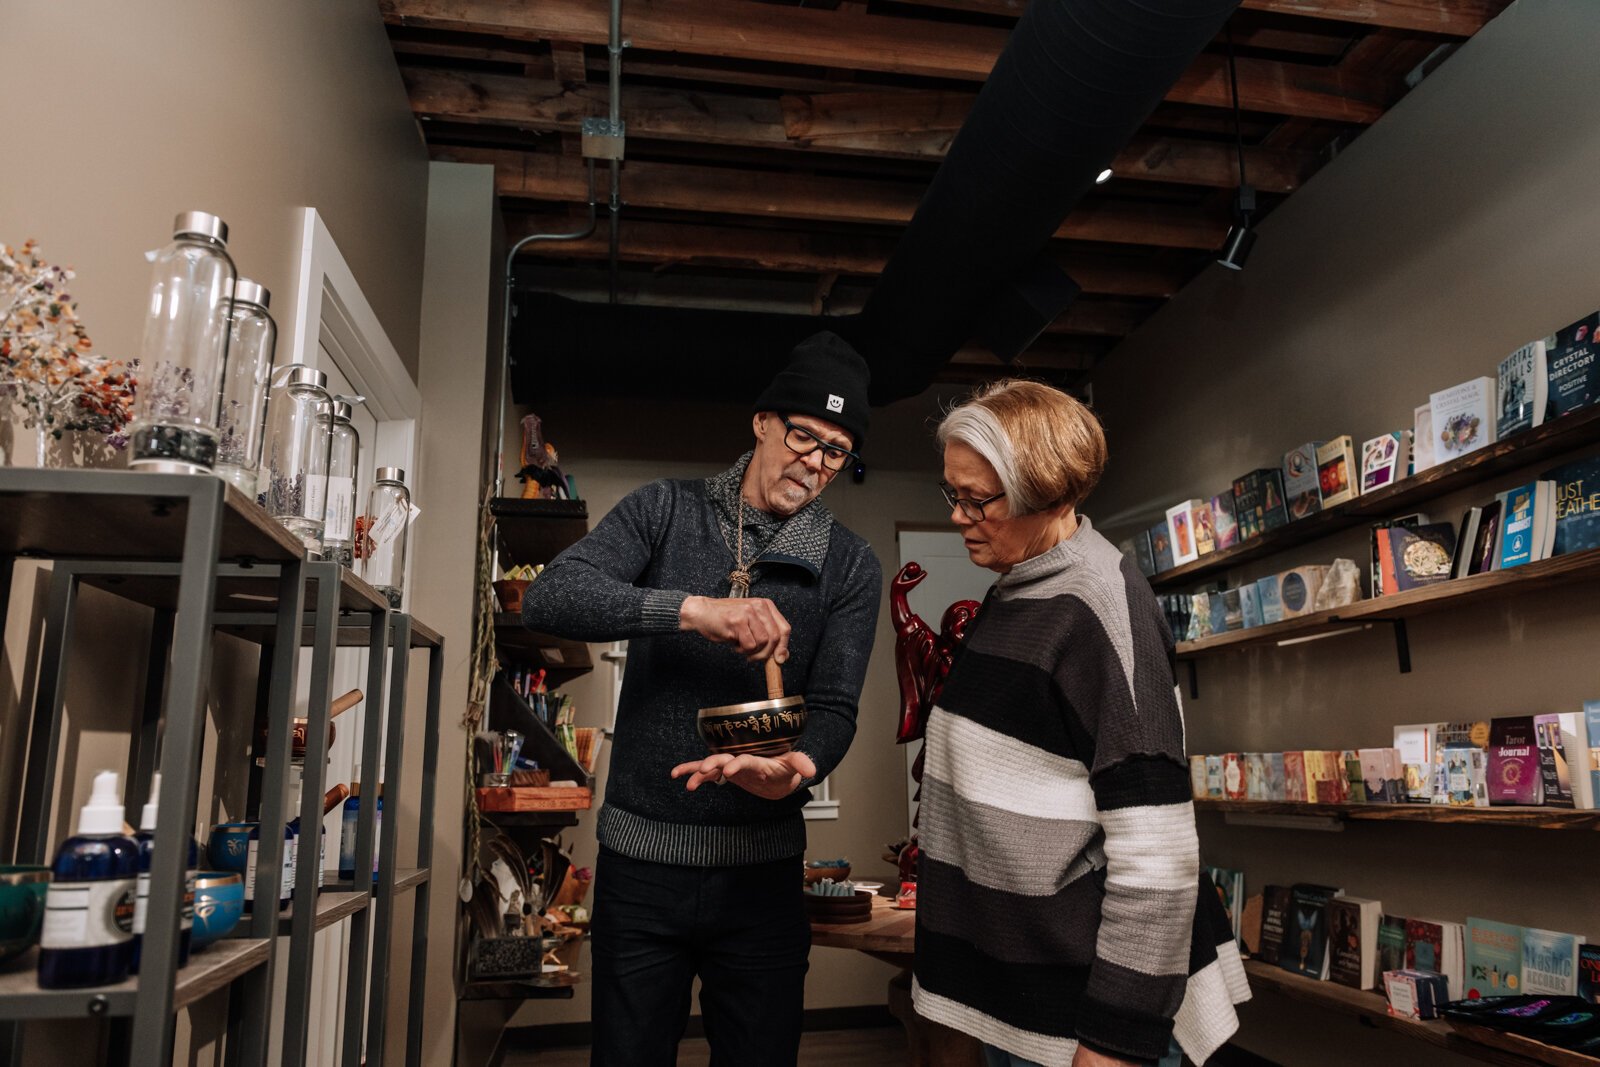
<point x="1353" y="941"/>
<point x="1555" y="775"/>
<point x="1258" y="502"/>
<point x="1356" y="783"/>
<point x="1277" y="786"/>
<point x="1230" y="887"/>
<point x="1485" y="555"/>
<point x="1307" y="948"/>
<point x="1391" y="943"/>
<point x="1301" y="488"/>
<point x="1385" y="459"/>
<point x="1197" y="777"/>
<point x="1494" y="959"/>
<point x="1420" y="555"/>
<point x="1338" y="477"/>
<point x="1528" y="531"/>
<point x="1577" y="505"/>
<point x="1205" y="537"/>
<point x="1297" y="590"/>
<point x="1180" y="523"/>
<point x="1233" y="784"/>
<point x="1268" y="592"/>
<point x="1255" y="776"/>
<point x="1214" y="788"/>
<point x="1574" y="374"/>
<point x="1514" y="775"/>
<point x="1589" y="973"/>
<point x="1250" y="605"/>
<point x="1143" y="557"/>
<point x="1523" y="389"/>
<point x="1438" y="946"/>
<point x="1224" y="528"/>
<point x="1161" y="546"/>
<point x="1274" y="915"/>
<point x="1294" y="777"/>
<point x="1422" y="438"/>
<point x="1463" y="418"/>
<point x="1550" y="962"/>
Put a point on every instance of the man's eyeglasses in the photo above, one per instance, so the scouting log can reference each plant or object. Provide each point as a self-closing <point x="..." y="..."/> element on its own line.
<point x="802" y="442"/>
<point x="972" y="509"/>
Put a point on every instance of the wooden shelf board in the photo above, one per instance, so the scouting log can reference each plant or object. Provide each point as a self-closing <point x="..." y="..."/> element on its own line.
<point x="513" y="640"/>
<point x="540" y="819"/>
<point x="541" y="990"/>
<point x="124" y="515"/>
<point x="336" y="901"/>
<point x="234" y="593"/>
<point x="407" y="878"/>
<point x="424" y="636"/>
<point x="1574" y="566"/>
<point x="535" y="531"/>
<point x="1531" y="817"/>
<point x="1566" y="434"/>
<point x="507" y="710"/>
<point x="1372" y="1009"/>
<point x="209" y="970"/>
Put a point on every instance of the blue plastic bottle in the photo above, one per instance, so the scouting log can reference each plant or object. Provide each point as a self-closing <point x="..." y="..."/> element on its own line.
<point x="88" y="917"/>
<point x="347" y="835"/>
<point x="147" y="845"/>
<point x="286" y="883"/>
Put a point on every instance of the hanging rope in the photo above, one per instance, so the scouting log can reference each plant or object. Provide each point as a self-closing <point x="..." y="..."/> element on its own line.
<point x="481" y="677"/>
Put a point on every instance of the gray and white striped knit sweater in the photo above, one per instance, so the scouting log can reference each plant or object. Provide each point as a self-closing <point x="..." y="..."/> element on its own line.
<point x="1060" y="896"/>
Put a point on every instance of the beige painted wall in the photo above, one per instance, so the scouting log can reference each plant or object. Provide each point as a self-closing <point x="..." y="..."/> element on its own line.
<point x="122" y="116"/>
<point x="869" y="784"/>
<point x="1459" y="227"/>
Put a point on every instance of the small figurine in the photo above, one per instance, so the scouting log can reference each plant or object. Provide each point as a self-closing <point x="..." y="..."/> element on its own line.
<point x="541" y="466"/>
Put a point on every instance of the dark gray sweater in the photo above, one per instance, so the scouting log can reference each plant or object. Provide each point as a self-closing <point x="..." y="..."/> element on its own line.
<point x="627" y="579"/>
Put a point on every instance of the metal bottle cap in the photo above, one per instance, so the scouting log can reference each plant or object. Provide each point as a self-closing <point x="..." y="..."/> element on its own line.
<point x="246" y="291"/>
<point x="342" y="410"/>
<point x="200" y="224"/>
<point x="391" y="474"/>
<point x="307" y="376"/>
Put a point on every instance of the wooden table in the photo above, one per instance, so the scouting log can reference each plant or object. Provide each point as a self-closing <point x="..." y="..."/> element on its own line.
<point x="891" y="936"/>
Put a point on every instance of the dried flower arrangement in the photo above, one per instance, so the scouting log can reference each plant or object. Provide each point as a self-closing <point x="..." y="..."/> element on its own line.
<point x="46" y="368"/>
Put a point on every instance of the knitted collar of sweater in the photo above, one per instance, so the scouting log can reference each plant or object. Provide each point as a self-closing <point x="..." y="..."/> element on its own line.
<point x="1053" y="562"/>
<point x="800" y="541"/>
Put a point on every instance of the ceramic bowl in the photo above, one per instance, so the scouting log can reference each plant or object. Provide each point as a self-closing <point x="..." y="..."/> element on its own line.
<point x="228" y="848"/>
<point x="509" y="592"/>
<point x="22" y="891"/>
<point x="297" y="738"/>
<point x="218" y="903"/>
<point x="759" y="728"/>
<point x="837" y="872"/>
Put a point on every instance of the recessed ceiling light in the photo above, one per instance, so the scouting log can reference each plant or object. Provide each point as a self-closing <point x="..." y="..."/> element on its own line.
<point x="1103" y="177"/>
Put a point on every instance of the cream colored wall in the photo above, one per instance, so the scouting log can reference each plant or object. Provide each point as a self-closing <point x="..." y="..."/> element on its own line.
<point x="869" y="784"/>
<point x="1459" y="227"/>
<point x="122" y="116"/>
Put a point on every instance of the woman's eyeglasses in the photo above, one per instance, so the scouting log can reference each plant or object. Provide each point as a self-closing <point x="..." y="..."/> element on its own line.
<point x="802" y="442"/>
<point x="972" y="509"/>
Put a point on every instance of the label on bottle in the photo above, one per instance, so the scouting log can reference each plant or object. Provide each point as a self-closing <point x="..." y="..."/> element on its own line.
<point x="187" y="921"/>
<point x="141" y="903"/>
<point x="286" y="888"/>
<point x="316" y="496"/>
<point x="347" y="840"/>
<point x="389" y="524"/>
<point x="341" y="509"/>
<point x="89" y="914"/>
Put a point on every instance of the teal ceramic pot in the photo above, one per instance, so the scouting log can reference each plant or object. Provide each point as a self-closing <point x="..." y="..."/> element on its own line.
<point x="228" y="848"/>
<point x="218" y="903"/>
<point x="22" y="891"/>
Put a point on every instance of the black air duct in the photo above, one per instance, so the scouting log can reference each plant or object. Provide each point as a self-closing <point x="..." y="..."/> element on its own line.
<point x="1075" y="82"/>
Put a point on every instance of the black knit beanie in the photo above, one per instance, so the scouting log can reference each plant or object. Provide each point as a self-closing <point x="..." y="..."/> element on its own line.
<point x="826" y="379"/>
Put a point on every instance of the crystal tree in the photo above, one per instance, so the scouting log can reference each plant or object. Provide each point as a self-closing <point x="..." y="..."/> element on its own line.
<point x="47" y="371"/>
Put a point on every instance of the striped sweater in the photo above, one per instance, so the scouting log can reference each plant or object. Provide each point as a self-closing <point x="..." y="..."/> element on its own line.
<point x="1060" y="897"/>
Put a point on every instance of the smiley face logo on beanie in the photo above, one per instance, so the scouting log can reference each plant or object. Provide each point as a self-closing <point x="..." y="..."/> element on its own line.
<point x="835" y="402"/>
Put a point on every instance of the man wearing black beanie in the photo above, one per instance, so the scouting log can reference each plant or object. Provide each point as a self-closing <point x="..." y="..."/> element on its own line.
<point x="707" y="579"/>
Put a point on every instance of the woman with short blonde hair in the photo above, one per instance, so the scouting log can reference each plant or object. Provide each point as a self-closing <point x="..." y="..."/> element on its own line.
<point x="1062" y="915"/>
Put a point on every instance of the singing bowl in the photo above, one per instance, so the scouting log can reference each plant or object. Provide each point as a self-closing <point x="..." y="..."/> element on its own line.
<point x="22" y="892"/>
<point x="756" y="728"/>
<point x="228" y="848"/>
<point x="218" y="904"/>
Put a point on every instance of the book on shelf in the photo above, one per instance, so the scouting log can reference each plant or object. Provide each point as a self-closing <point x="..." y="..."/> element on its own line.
<point x="1255" y="776"/>
<point x="1463" y="418"/>
<point x="1422" y="438"/>
<point x="1275" y="905"/>
<point x="1550" y="962"/>
<point x="1180" y="524"/>
<point x="1353" y="941"/>
<point x="1294" y="777"/>
<point x="1232" y="611"/>
<point x="1338" y="477"/>
<point x="1197" y="777"/>
<point x="1415" y="994"/>
<point x="1420" y="555"/>
<point x="1250" y="924"/>
<point x="1485" y="547"/>
<point x="1161" y="546"/>
<point x="1522" y="389"/>
<point x="1391" y="943"/>
<point x="1437" y="945"/>
<point x="1325" y="777"/>
<point x="1515" y="776"/>
<point x="1554" y="772"/>
<point x="1577" y="758"/>
<point x="1574" y="374"/>
<point x="1233" y="784"/>
<point x="1230" y="889"/>
<point x="1416" y="744"/>
<point x="1258" y="502"/>
<point x="1306" y="947"/>
<point x="1297" y="590"/>
<point x="1250" y="605"/>
<point x="1200" y="520"/>
<point x="1528" y="531"/>
<point x="1214" y="778"/>
<point x="1577" y="505"/>
<point x="1466" y="537"/>
<point x="1143" y="557"/>
<point x="1385" y="459"/>
<point x="1382" y="578"/>
<point x="1591" y="729"/>
<point x="1301" y="489"/>
<point x="1217" y="611"/>
<point x="1588" y="973"/>
<point x="1461" y="765"/>
<point x="1276" y="778"/>
<point x="1268" y="592"/>
<point x="1383" y="786"/>
<point x="1356" y="782"/>
<point x="1224" y="527"/>
<point x="1512" y="730"/>
<point x="1494" y="959"/>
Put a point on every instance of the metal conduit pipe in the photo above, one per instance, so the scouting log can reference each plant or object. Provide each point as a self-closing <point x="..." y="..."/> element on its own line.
<point x="614" y="47"/>
<point x="509" y="309"/>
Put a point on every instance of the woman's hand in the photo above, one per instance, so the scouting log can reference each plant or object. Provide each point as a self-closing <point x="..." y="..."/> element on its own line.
<point x="1088" y="1057"/>
<point x="753" y="625"/>
<point x="772" y="777"/>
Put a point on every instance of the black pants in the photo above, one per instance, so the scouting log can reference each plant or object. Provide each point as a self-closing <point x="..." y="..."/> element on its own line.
<point x="742" y="930"/>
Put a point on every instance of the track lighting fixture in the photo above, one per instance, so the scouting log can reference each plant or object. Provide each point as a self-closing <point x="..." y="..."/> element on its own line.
<point x="1241" y="238"/>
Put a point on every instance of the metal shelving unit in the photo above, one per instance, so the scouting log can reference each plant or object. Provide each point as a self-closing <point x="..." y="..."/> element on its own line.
<point x="207" y="559"/>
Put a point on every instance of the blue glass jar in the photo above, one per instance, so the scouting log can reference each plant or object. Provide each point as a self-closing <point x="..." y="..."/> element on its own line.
<point x="88" y="923"/>
<point x="146" y="840"/>
<point x="347" y="836"/>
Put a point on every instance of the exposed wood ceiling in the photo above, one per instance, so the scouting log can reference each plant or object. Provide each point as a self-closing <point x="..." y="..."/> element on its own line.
<point x="775" y="149"/>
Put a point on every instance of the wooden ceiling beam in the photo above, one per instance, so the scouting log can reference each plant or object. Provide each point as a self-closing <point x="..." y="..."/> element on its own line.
<point x="664" y="244"/>
<point x="1451" y="18"/>
<point x="849" y="40"/>
<point x="750" y="122"/>
<point x="567" y="60"/>
<point x="813" y="198"/>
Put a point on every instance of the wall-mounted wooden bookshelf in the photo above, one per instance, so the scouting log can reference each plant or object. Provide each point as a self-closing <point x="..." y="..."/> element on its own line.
<point x="535" y="531"/>
<point x="1570" y="432"/>
<point x="1538" y="818"/>
<point x="561" y="659"/>
<point x="1560" y="570"/>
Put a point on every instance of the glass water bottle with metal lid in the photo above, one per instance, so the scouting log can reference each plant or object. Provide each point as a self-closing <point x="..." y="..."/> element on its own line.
<point x="184" y="349"/>
<point x="241" y="421"/>
<point x="294" y="467"/>
<point x="338" y="536"/>
<point x="388" y="515"/>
